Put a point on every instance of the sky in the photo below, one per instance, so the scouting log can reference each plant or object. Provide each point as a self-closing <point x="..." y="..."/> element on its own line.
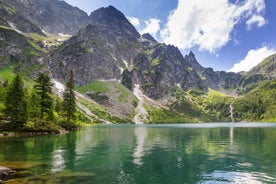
<point x="228" y="35"/>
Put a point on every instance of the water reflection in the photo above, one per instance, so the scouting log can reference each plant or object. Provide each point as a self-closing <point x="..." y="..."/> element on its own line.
<point x="58" y="163"/>
<point x="231" y="135"/>
<point x="141" y="134"/>
<point x="219" y="177"/>
<point x="149" y="154"/>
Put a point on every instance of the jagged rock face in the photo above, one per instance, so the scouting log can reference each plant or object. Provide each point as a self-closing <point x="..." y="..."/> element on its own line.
<point x="17" y="50"/>
<point x="14" y="47"/>
<point x="95" y="53"/>
<point x="52" y="16"/>
<point x="113" y="18"/>
<point x="160" y="67"/>
<point x="191" y="59"/>
<point x="218" y="80"/>
<point x="149" y="38"/>
<point x="9" y="17"/>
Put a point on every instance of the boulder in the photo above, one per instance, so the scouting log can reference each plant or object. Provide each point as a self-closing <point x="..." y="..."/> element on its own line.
<point x="5" y="173"/>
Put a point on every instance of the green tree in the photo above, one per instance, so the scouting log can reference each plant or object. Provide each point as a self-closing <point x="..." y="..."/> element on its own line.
<point x="58" y="105"/>
<point x="69" y="100"/>
<point x="15" y="104"/>
<point x="43" y="87"/>
<point x="34" y="104"/>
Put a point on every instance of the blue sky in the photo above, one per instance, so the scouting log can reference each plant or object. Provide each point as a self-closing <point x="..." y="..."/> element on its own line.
<point x="230" y="35"/>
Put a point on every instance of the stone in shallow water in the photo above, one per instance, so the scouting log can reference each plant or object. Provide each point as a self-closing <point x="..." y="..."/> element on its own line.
<point x="5" y="173"/>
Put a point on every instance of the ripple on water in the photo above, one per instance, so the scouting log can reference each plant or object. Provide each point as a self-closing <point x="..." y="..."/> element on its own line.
<point x="220" y="177"/>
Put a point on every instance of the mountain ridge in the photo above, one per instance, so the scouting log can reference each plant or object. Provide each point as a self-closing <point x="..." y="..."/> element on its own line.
<point x="105" y="48"/>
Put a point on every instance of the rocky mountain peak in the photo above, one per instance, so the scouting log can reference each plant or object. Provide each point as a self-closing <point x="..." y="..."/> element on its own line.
<point x="191" y="59"/>
<point x="110" y="16"/>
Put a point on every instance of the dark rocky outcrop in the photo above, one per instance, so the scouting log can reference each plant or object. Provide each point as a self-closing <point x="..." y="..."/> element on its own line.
<point x="114" y="19"/>
<point x="149" y="38"/>
<point x="160" y="67"/>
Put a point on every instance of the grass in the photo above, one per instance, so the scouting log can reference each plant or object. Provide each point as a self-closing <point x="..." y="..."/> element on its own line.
<point x="215" y="93"/>
<point x="7" y="73"/>
<point x="5" y="27"/>
<point x="123" y="92"/>
<point x="36" y="46"/>
<point x="155" y="62"/>
<point x="38" y="37"/>
<point x="96" y="86"/>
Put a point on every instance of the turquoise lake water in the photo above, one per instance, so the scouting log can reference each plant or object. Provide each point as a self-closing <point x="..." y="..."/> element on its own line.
<point x="170" y="154"/>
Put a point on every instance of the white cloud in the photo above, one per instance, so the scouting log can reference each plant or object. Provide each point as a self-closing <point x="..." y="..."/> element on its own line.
<point x="253" y="58"/>
<point x="256" y="20"/>
<point x="208" y="24"/>
<point x="134" y="21"/>
<point x="152" y="27"/>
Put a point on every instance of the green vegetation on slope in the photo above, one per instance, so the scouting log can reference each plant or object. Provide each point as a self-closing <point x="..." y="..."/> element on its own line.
<point x="6" y="74"/>
<point x="161" y="116"/>
<point x="257" y="105"/>
<point x="95" y="86"/>
<point x="195" y="104"/>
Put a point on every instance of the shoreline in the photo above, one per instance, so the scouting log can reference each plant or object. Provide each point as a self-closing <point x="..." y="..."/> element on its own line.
<point x="20" y="134"/>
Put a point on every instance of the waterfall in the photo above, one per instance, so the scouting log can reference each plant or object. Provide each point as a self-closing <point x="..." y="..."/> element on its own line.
<point x="231" y="113"/>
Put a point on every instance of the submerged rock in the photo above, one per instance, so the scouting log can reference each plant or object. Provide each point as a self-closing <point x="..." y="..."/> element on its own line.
<point x="5" y="173"/>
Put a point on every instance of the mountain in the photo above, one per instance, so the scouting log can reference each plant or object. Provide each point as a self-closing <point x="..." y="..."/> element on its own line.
<point x="257" y="105"/>
<point x="20" y="52"/>
<point x="159" y="67"/>
<point x="226" y="82"/>
<point x="263" y="72"/>
<point x="267" y="67"/>
<point x="10" y="17"/>
<point x="121" y="76"/>
<point x="52" y="16"/>
<point x="113" y="45"/>
<point x="108" y="46"/>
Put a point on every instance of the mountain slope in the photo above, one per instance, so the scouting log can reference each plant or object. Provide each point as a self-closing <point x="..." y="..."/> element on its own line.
<point x="11" y="17"/>
<point x="52" y="16"/>
<point x="159" y="67"/>
<point x="266" y="67"/>
<point x="20" y="52"/>
<point x="257" y="105"/>
<point x="218" y="80"/>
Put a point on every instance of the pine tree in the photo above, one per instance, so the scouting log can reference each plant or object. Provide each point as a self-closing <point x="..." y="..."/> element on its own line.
<point x="58" y="105"/>
<point x="69" y="100"/>
<point x="15" y="104"/>
<point x="43" y="87"/>
<point x="33" y="104"/>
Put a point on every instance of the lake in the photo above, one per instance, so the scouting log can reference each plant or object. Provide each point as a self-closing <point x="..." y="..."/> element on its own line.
<point x="141" y="154"/>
